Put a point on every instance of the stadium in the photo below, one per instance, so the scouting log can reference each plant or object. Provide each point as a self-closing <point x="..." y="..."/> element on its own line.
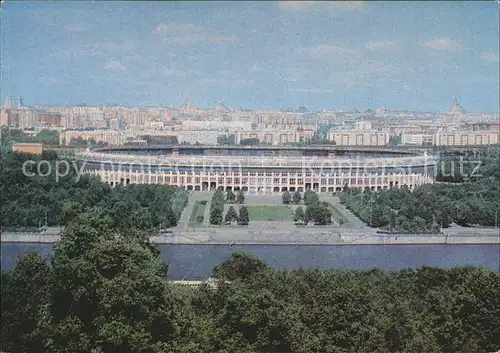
<point x="260" y="169"/>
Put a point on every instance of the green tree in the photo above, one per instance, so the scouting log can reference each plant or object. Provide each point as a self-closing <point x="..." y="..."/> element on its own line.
<point x="299" y="214"/>
<point x="230" y="196"/>
<point x="286" y="197"/>
<point x="310" y="197"/>
<point x="240" y="197"/>
<point x="297" y="197"/>
<point x="216" y="216"/>
<point x="231" y="215"/>
<point x="250" y="142"/>
<point x="317" y="212"/>
<point x="241" y="266"/>
<point x="243" y="217"/>
<point x="25" y="291"/>
<point x="110" y="295"/>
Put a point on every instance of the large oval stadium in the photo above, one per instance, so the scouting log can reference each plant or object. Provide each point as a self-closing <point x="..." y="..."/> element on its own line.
<point x="260" y="169"/>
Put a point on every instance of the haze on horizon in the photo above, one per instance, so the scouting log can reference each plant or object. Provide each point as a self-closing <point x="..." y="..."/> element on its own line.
<point x="276" y="55"/>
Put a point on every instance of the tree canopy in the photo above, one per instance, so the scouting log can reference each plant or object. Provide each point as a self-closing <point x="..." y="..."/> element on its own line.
<point x="31" y="200"/>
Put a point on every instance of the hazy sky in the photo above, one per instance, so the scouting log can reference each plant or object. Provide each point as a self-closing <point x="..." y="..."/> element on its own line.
<point x="322" y="55"/>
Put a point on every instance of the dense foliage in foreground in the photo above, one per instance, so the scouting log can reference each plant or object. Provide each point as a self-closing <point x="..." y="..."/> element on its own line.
<point x="105" y="290"/>
<point x="29" y="199"/>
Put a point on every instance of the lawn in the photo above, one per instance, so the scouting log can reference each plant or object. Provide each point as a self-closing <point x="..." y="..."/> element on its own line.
<point x="197" y="214"/>
<point x="269" y="213"/>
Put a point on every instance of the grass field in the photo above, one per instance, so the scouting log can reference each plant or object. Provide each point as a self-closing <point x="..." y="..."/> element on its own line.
<point x="197" y="214"/>
<point x="269" y="213"/>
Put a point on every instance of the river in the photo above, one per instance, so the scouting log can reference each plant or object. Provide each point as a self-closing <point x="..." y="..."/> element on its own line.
<point x="195" y="262"/>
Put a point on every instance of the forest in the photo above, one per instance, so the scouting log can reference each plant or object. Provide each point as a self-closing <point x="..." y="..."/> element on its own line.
<point x="105" y="290"/>
<point x="468" y="198"/>
<point x="33" y="201"/>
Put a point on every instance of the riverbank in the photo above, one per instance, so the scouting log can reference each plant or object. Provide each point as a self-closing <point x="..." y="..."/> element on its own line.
<point x="333" y="239"/>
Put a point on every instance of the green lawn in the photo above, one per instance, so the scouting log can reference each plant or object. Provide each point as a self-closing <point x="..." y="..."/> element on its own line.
<point x="197" y="214"/>
<point x="269" y="213"/>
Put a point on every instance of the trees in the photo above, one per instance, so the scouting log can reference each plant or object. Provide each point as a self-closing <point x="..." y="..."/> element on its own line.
<point x="250" y="142"/>
<point x="217" y="207"/>
<point x="109" y="293"/>
<point x="310" y="197"/>
<point x="240" y="266"/>
<point x="240" y="197"/>
<point x="231" y="215"/>
<point x="30" y="201"/>
<point x="297" y="197"/>
<point x="319" y="213"/>
<point x="216" y="215"/>
<point x="230" y="196"/>
<point x="286" y="197"/>
<point x="323" y="215"/>
<point x="427" y="205"/>
<point x="25" y="291"/>
<point x="299" y="214"/>
<point x="243" y="218"/>
<point x="106" y="291"/>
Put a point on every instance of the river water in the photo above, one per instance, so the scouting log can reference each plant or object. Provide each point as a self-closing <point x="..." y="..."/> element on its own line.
<point x="195" y="262"/>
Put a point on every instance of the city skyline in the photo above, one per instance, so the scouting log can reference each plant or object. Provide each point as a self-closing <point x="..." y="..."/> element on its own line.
<point x="273" y="55"/>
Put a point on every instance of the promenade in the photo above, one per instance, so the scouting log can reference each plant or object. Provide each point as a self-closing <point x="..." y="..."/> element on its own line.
<point x="302" y="236"/>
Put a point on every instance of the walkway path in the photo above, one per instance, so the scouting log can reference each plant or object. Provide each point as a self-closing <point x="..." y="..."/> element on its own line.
<point x="353" y="220"/>
<point x="183" y="223"/>
<point x="206" y="215"/>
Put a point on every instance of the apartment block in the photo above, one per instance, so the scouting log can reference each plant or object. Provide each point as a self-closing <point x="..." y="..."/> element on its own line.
<point x="353" y="138"/>
<point x="107" y="136"/>
<point x="466" y="138"/>
<point x="276" y="136"/>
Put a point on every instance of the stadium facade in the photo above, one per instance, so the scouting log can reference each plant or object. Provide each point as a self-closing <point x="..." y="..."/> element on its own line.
<point x="258" y="169"/>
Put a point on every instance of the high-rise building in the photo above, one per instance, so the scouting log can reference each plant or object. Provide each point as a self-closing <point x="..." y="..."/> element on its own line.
<point x="19" y="102"/>
<point x="8" y="103"/>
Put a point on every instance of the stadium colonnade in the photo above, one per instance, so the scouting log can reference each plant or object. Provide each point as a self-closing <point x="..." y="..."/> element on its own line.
<point x="260" y="170"/>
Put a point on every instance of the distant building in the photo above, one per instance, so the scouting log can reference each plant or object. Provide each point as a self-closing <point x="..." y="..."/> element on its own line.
<point x="107" y="136"/>
<point x="34" y="148"/>
<point x="363" y="126"/>
<point x="13" y="118"/>
<point x="8" y="103"/>
<point x="13" y="102"/>
<point x="19" y="103"/>
<point x="275" y="136"/>
<point x="4" y="117"/>
<point x="49" y="119"/>
<point x="117" y="124"/>
<point x="417" y="139"/>
<point x="354" y="138"/>
<point x="466" y="138"/>
<point x="456" y="108"/>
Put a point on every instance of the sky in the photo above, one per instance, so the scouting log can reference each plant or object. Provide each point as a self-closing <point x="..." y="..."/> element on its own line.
<point x="269" y="55"/>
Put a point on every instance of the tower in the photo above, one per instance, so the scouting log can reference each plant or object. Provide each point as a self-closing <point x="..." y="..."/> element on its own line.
<point x="8" y="103"/>
<point x="19" y="102"/>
